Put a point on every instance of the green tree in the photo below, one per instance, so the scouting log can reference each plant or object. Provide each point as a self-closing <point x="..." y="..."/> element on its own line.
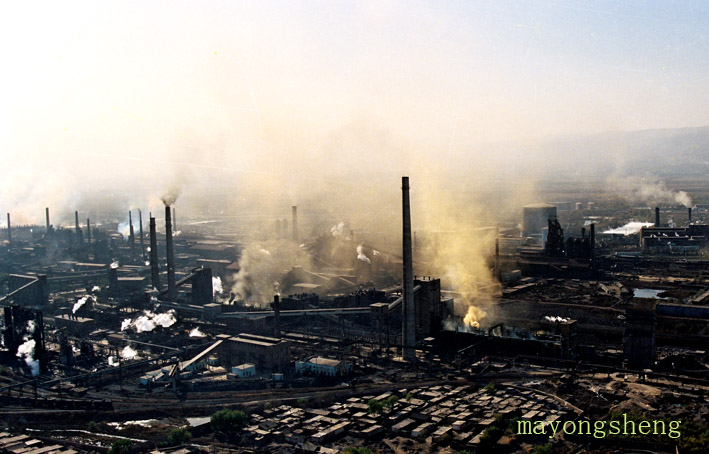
<point x="358" y="450"/>
<point x="390" y="401"/>
<point x="228" y="421"/>
<point x="179" y="436"/>
<point x="121" y="447"/>
<point x="375" y="406"/>
<point x="489" y="388"/>
<point x="543" y="449"/>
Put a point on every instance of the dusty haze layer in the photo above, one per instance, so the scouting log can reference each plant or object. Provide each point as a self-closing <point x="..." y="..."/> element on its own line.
<point x="278" y="103"/>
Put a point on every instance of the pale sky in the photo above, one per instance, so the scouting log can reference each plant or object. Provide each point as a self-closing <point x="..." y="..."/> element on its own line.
<point x="117" y="91"/>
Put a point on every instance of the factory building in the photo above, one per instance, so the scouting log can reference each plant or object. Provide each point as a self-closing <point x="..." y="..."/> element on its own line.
<point x="318" y="365"/>
<point x="675" y="240"/>
<point x="266" y="353"/>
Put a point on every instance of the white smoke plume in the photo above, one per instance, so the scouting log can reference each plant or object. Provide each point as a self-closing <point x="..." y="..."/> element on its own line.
<point x="129" y="353"/>
<point x="81" y="302"/>
<point x="114" y="265"/>
<point x="217" y="286"/>
<point x="338" y="230"/>
<point x="112" y="361"/>
<point x="195" y="332"/>
<point x="95" y="289"/>
<point x="260" y="268"/>
<point x="361" y="256"/>
<point x="638" y="191"/>
<point x="124" y="229"/>
<point x="171" y="196"/>
<point x="554" y="319"/>
<point x="149" y="321"/>
<point x="26" y="352"/>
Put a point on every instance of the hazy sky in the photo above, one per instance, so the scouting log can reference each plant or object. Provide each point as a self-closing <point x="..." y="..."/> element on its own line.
<point x="120" y="93"/>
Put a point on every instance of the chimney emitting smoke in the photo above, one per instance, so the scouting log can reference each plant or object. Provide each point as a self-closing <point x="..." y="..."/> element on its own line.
<point x="689" y="214"/>
<point x="154" y="269"/>
<point x="409" y="320"/>
<point x="77" y="228"/>
<point x="276" y="316"/>
<point x="9" y="229"/>
<point x="140" y="230"/>
<point x="171" y="289"/>
<point x="46" y="210"/>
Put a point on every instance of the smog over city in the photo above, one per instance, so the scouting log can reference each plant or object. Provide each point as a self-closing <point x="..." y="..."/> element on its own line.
<point x="357" y="227"/>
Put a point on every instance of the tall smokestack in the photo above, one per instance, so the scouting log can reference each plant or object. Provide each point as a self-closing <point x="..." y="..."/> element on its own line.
<point x="276" y="316"/>
<point x="498" y="272"/>
<point x="77" y="228"/>
<point x="9" y="229"/>
<point x="88" y="231"/>
<point x="295" y="223"/>
<point x="131" y="234"/>
<point x="592" y="236"/>
<point x="154" y="269"/>
<point x="409" y="320"/>
<point x="140" y="230"/>
<point x="171" y="289"/>
<point x="657" y="216"/>
<point x="46" y="210"/>
<point x="174" y="220"/>
<point x="689" y="214"/>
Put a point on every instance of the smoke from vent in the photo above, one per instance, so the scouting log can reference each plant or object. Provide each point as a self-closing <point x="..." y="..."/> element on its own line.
<point x="554" y="319"/>
<point x="361" y="256"/>
<point x="195" y="332"/>
<point x="81" y="301"/>
<point x="170" y="197"/>
<point x="26" y="351"/>
<point x="149" y="321"/>
<point x="260" y="268"/>
<point x="338" y="230"/>
<point x="457" y="251"/>
<point x="637" y="191"/>
<point x="129" y="353"/>
<point x="216" y="286"/>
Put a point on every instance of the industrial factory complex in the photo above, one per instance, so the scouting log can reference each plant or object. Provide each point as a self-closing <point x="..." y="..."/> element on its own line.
<point x="123" y="332"/>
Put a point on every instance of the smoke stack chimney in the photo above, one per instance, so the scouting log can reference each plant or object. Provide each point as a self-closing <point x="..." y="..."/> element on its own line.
<point x="657" y="216"/>
<point x="295" y="223"/>
<point x="409" y="320"/>
<point x="9" y="229"/>
<point x="174" y="220"/>
<point x="689" y="214"/>
<point x="171" y="289"/>
<point x="154" y="269"/>
<point x="77" y="228"/>
<point x="583" y="232"/>
<point x="140" y="230"/>
<point x="88" y="231"/>
<point x="276" y="305"/>
<point x="131" y="234"/>
<point x="498" y="271"/>
<point x="46" y="210"/>
<point x="592" y="236"/>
